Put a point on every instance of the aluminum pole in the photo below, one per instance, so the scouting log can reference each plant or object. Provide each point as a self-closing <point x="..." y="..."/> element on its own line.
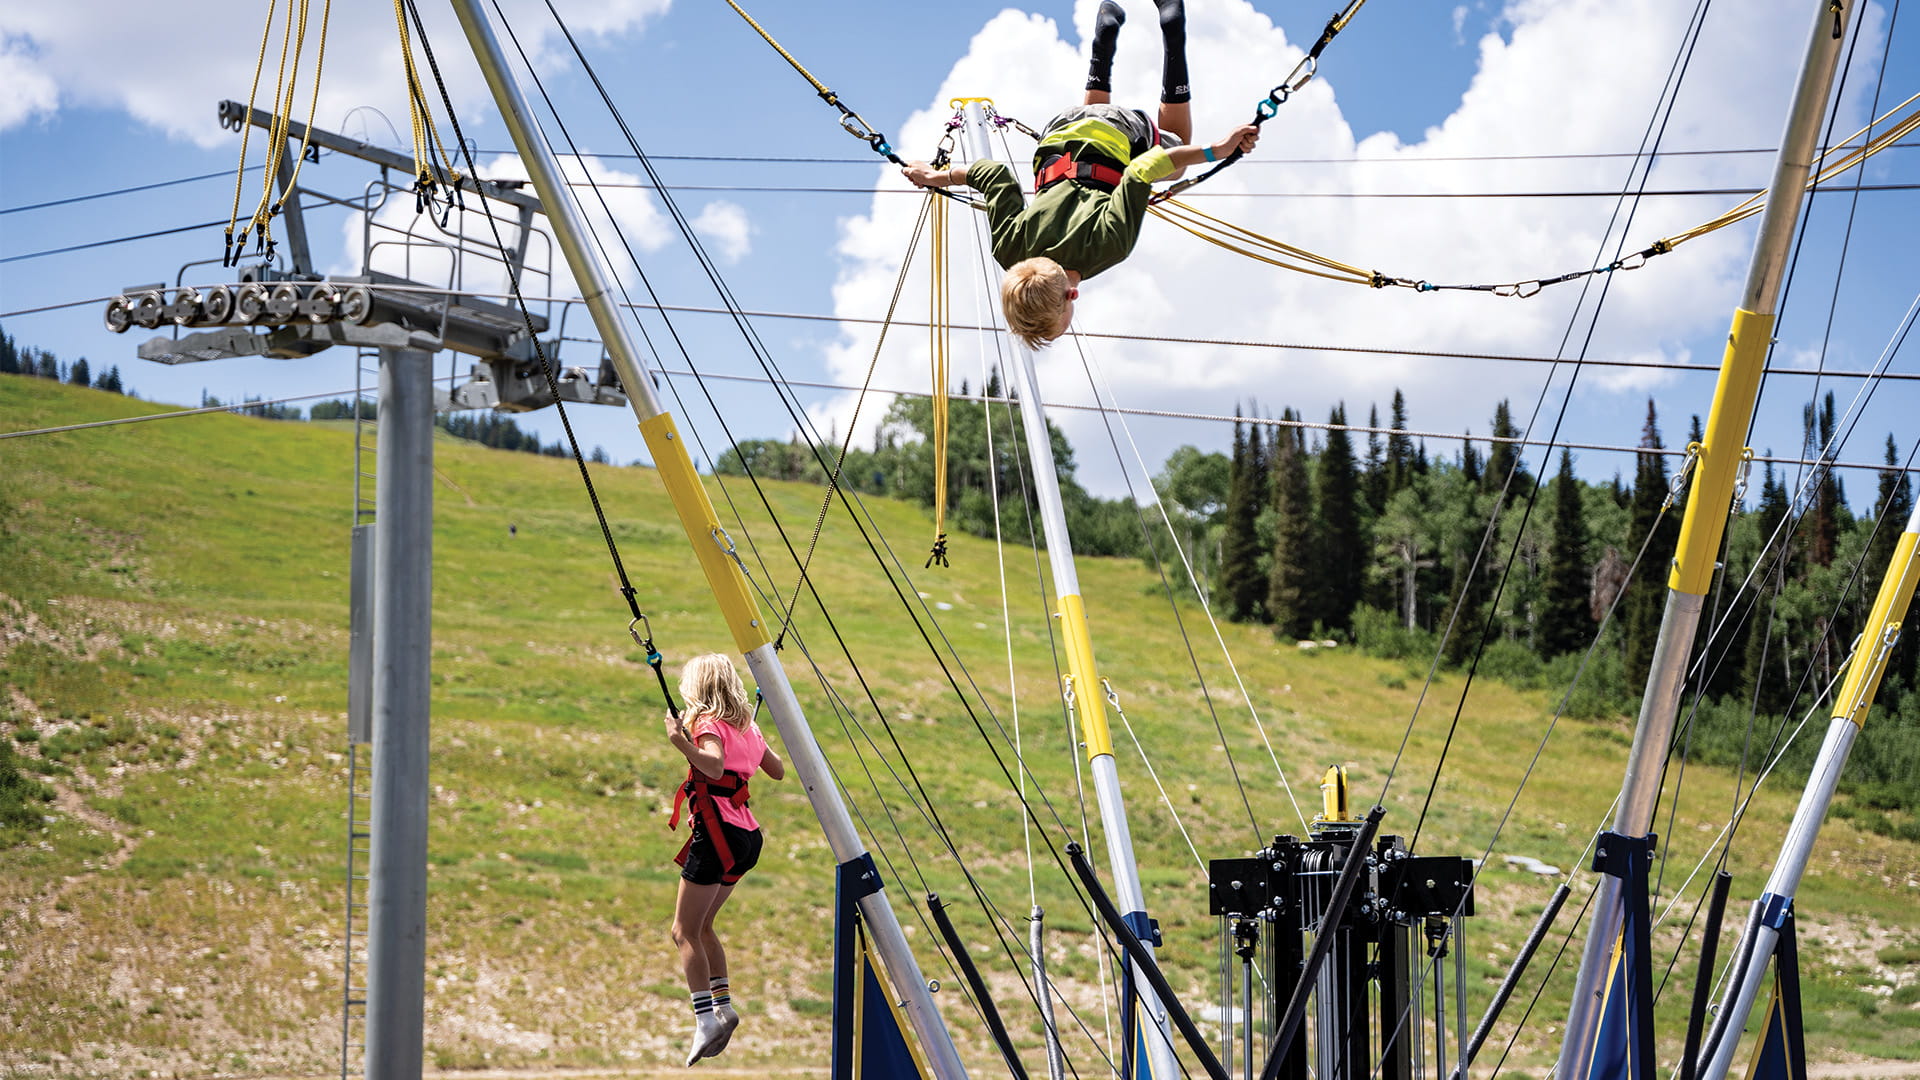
<point x="1704" y="525"/>
<point x="402" y="689"/>
<point x="1869" y="666"/>
<point x="1128" y="895"/>
<point x="725" y="574"/>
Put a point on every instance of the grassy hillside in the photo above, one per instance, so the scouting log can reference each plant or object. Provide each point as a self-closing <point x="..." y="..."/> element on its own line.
<point x="173" y="638"/>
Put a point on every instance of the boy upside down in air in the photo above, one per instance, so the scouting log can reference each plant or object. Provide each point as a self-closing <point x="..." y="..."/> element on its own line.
<point x="1093" y="173"/>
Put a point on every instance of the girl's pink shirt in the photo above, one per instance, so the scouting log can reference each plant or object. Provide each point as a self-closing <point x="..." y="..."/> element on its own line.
<point x="742" y="750"/>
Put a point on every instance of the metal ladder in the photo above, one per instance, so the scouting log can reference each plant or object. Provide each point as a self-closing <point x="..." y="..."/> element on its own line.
<point x="359" y="816"/>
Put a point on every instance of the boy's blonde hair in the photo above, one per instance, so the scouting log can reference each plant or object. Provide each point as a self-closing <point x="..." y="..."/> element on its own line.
<point x="710" y="685"/>
<point x="1034" y="297"/>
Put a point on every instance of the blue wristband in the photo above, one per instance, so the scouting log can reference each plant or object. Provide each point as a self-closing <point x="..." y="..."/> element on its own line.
<point x="1207" y="150"/>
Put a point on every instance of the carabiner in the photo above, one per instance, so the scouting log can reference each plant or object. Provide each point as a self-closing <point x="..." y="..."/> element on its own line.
<point x="854" y="126"/>
<point x="1296" y="80"/>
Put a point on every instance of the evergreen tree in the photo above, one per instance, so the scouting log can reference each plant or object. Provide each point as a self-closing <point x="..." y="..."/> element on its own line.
<point x="1565" y="621"/>
<point x="109" y="380"/>
<point x="1470" y="460"/>
<point x="1503" y="458"/>
<point x="49" y="366"/>
<point x="79" y="374"/>
<point x="1240" y="587"/>
<point x="1400" y="454"/>
<point x="1376" y="468"/>
<point x="1821" y="529"/>
<point x="9" y="356"/>
<point x="1893" y="509"/>
<point x="1289" y="598"/>
<point x="1646" y="593"/>
<point x="1342" y="547"/>
<point x="1765" y="667"/>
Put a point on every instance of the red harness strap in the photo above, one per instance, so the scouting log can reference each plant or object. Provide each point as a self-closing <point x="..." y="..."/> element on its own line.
<point x="704" y="794"/>
<point x="1063" y="167"/>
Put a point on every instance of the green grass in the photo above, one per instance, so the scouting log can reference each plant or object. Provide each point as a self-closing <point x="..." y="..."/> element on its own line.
<point x="180" y="589"/>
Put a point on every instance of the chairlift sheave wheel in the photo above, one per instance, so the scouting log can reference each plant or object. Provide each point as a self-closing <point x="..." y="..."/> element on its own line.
<point x="185" y="309"/>
<point x="283" y="303"/>
<point x="355" y="306"/>
<point x="251" y="305"/>
<point x="216" y="304"/>
<point x="322" y="304"/>
<point x="119" y="315"/>
<point x="149" y="310"/>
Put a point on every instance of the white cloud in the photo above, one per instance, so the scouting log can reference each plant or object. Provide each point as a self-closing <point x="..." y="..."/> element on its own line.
<point x="26" y="90"/>
<point x="726" y="224"/>
<point x="1459" y="23"/>
<point x="1565" y="77"/>
<point x="113" y="54"/>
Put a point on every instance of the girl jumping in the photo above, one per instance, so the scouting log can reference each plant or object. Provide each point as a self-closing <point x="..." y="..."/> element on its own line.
<point x="723" y="747"/>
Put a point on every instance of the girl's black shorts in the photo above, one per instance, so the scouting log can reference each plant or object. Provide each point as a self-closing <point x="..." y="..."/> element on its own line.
<point x="702" y="865"/>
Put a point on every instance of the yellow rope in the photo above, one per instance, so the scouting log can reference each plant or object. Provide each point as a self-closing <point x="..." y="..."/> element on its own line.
<point x="804" y="73"/>
<point x="1253" y="245"/>
<point x="426" y="135"/>
<point x="295" y="42"/>
<point x="1756" y="202"/>
<point x="246" y="127"/>
<point x="937" y="339"/>
<point x="313" y="103"/>
<point x="1237" y="239"/>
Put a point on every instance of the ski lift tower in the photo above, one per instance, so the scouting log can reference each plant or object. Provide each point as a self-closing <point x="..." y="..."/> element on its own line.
<point x="399" y="317"/>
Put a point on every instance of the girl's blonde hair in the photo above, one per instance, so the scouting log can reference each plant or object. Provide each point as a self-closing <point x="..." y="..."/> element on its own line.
<point x="1034" y="297"/>
<point x="710" y="685"/>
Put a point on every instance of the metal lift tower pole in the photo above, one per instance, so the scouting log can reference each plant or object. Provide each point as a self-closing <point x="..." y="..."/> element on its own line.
<point x="1706" y="517"/>
<point x="709" y="538"/>
<point x="1158" y="1062"/>
<point x="402" y="677"/>
<point x="1869" y="665"/>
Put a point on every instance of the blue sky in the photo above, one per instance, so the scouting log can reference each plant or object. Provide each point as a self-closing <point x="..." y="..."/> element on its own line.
<point x="97" y="100"/>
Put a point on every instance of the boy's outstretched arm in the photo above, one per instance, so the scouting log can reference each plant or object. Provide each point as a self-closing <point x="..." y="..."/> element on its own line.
<point x="925" y="175"/>
<point x="1241" y="138"/>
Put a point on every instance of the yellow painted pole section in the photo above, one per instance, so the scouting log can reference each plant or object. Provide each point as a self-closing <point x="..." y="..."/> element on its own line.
<point x="1086" y="681"/>
<point x="709" y="541"/>
<point x="1719" y="464"/>
<point x="1889" y="610"/>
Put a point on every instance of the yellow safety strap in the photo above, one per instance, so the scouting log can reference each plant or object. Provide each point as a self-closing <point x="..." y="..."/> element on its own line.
<point x="937" y="340"/>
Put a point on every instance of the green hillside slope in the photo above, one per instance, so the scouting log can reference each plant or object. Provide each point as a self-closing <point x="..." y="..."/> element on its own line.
<point x="173" y="612"/>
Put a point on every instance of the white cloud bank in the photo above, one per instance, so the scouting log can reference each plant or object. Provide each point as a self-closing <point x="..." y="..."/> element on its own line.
<point x="1559" y="78"/>
<point x="118" y="55"/>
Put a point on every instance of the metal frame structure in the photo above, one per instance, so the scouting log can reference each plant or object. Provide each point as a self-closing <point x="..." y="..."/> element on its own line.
<point x="1704" y="526"/>
<point x="1153" y="1050"/>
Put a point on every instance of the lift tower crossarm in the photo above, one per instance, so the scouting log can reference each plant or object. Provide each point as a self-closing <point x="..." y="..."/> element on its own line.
<point x="724" y="572"/>
<point x="232" y="112"/>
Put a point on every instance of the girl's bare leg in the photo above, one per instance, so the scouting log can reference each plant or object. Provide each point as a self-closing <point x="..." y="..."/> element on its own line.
<point x="693" y="911"/>
<point x="709" y="941"/>
<point x="1098" y="97"/>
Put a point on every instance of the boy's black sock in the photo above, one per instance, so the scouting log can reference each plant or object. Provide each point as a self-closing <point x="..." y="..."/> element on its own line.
<point x="1106" y="33"/>
<point x="1173" y="35"/>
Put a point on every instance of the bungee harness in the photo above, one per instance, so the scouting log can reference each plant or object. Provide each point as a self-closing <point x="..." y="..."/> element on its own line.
<point x="1093" y="172"/>
<point x="701" y="794"/>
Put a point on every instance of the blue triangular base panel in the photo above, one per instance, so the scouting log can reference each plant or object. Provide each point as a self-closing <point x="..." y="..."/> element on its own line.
<point x="882" y="1046"/>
